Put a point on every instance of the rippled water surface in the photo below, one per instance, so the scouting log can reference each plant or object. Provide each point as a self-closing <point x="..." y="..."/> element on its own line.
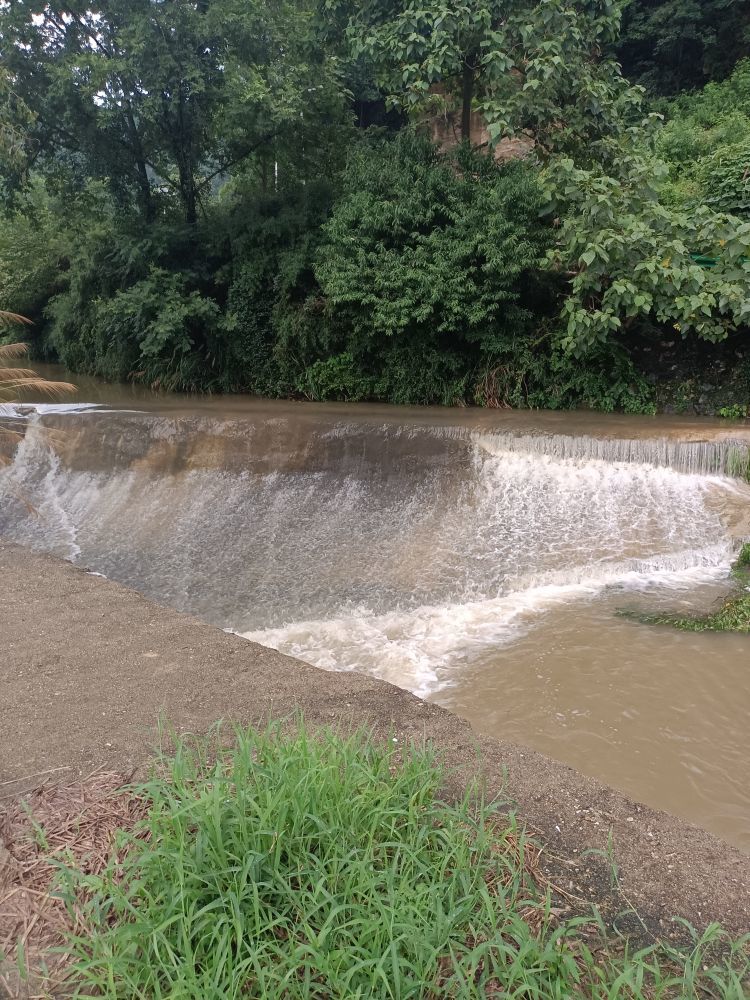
<point x="477" y="559"/>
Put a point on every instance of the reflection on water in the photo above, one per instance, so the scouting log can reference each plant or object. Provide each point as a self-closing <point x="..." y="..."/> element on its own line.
<point x="475" y="558"/>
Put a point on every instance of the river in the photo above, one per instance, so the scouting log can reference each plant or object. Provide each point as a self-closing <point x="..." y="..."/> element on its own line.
<point x="478" y="558"/>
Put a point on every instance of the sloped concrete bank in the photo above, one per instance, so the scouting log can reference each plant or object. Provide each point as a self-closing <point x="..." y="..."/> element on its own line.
<point x="87" y="666"/>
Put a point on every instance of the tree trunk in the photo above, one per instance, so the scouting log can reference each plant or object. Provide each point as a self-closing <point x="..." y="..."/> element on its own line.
<point x="191" y="210"/>
<point x="188" y="192"/>
<point x="467" y="94"/>
<point x="145" y="196"/>
<point x="185" y="164"/>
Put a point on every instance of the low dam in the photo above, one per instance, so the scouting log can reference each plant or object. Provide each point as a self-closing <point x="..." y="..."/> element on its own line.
<point x="476" y="559"/>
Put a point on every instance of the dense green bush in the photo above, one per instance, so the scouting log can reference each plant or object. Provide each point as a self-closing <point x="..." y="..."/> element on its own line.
<point x="706" y="144"/>
<point x="631" y="257"/>
<point x="416" y="278"/>
<point x="425" y="270"/>
<point x="272" y="239"/>
<point x="538" y="373"/>
<point x="241" y="234"/>
<point x="430" y="247"/>
<point x="132" y="306"/>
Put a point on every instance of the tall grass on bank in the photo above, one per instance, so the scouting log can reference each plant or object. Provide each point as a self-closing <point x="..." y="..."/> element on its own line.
<point x="738" y="462"/>
<point x="319" y="867"/>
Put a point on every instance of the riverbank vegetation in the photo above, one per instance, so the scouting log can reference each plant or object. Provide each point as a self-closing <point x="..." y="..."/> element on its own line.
<point x="732" y="615"/>
<point x="291" y="865"/>
<point x="412" y="202"/>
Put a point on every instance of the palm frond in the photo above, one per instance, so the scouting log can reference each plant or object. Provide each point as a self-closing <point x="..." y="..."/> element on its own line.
<point x="16" y="373"/>
<point x="13" y="319"/>
<point x="10" y="387"/>
<point x="10" y="351"/>
<point x="19" y="380"/>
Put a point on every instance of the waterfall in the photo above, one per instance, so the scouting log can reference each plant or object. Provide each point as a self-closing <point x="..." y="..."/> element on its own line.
<point x="706" y="457"/>
<point x="399" y="549"/>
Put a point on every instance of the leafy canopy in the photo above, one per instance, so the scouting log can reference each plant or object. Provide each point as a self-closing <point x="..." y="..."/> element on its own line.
<point x="544" y="68"/>
<point x="162" y="99"/>
<point x="670" y="46"/>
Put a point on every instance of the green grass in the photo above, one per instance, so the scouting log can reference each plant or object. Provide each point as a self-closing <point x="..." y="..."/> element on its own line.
<point x="742" y="562"/>
<point x="732" y="616"/>
<point x="317" y="867"/>
<point x="738" y="462"/>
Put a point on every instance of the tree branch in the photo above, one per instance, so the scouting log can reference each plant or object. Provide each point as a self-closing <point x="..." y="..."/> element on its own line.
<point x="238" y="159"/>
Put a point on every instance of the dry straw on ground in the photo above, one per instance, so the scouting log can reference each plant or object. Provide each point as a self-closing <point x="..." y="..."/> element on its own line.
<point x="75" y="823"/>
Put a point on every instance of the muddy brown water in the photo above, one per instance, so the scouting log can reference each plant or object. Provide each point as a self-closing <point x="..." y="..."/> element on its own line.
<point x="477" y="558"/>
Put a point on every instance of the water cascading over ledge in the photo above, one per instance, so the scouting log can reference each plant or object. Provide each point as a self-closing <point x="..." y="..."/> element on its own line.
<point x="730" y="457"/>
<point x="398" y="549"/>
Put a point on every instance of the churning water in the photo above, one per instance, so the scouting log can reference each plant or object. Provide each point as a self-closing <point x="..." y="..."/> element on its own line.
<point x="445" y="557"/>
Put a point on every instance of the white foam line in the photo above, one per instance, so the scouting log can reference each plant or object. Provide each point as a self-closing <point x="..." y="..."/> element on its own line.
<point x="420" y="649"/>
<point x="23" y="411"/>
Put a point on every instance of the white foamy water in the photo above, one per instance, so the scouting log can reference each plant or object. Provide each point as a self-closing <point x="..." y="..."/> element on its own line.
<point x="425" y="649"/>
<point x="23" y="411"/>
<point x="539" y="531"/>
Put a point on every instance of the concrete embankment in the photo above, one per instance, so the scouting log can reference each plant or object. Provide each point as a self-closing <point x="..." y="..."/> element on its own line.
<point x="87" y="667"/>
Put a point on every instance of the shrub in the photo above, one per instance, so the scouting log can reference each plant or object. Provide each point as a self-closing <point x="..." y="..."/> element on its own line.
<point x="337" y="377"/>
<point x="427" y="264"/>
<point x="432" y="249"/>
<point x="737" y="411"/>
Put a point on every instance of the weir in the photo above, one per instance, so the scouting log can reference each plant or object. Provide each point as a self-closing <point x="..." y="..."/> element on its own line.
<point x="438" y="555"/>
<point x="397" y="537"/>
<point x="726" y="456"/>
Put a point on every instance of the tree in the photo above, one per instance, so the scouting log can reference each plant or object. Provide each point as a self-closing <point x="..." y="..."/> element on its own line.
<point x="162" y="98"/>
<point x="675" y="45"/>
<point x="546" y="68"/>
<point x="630" y="256"/>
<point x="16" y="119"/>
<point x="543" y="68"/>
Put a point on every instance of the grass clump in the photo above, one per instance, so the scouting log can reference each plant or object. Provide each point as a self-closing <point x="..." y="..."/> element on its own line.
<point x="733" y="615"/>
<point x="738" y="462"/>
<point x="328" y="868"/>
<point x="736" y="411"/>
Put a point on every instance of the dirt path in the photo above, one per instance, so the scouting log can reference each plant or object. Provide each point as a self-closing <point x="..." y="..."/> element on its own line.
<point x="87" y="666"/>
